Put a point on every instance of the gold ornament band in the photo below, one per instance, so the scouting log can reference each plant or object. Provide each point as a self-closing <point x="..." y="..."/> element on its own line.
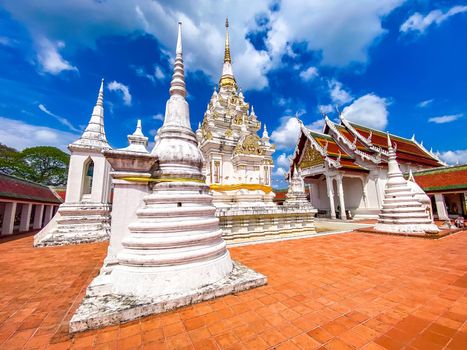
<point x="148" y="179"/>
<point x="251" y="187"/>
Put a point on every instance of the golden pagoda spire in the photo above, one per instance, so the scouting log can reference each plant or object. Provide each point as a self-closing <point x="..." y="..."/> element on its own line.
<point x="227" y="78"/>
<point x="227" y="57"/>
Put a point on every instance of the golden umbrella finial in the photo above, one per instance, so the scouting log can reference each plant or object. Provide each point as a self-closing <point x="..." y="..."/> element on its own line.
<point x="227" y="57"/>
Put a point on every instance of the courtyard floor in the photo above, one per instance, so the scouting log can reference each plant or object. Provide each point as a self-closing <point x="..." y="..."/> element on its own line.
<point x="346" y="291"/>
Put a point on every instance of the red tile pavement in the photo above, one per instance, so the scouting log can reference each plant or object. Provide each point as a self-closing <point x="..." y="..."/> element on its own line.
<point x="333" y="292"/>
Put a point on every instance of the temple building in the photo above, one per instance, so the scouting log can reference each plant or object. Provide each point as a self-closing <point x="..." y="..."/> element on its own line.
<point x="238" y="166"/>
<point x="346" y="166"/>
<point x="446" y="188"/>
<point x="25" y="205"/>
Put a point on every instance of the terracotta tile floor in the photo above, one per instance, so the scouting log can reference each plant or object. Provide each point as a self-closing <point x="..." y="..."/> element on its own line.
<point x="334" y="292"/>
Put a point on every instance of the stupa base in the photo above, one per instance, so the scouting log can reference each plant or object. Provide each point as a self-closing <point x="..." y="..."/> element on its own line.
<point x="407" y="228"/>
<point x="104" y="309"/>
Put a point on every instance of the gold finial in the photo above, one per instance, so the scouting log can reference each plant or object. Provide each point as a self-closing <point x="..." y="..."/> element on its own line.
<point x="227" y="43"/>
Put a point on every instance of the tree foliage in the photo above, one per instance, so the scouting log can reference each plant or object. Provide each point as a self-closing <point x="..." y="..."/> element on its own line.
<point x="43" y="164"/>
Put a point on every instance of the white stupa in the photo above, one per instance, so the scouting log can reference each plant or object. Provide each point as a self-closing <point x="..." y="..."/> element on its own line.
<point x="173" y="254"/>
<point x="296" y="196"/>
<point x="183" y="247"/>
<point x="84" y="217"/>
<point x="402" y="210"/>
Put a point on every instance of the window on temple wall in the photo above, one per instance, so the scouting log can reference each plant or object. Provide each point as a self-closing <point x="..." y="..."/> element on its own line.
<point x="217" y="171"/>
<point x="88" y="177"/>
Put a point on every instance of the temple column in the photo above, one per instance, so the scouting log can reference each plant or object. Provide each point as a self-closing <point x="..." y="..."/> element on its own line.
<point x="331" y="196"/>
<point x="340" y="193"/>
<point x="441" y="207"/>
<point x="38" y="216"/>
<point x="48" y="214"/>
<point x="9" y="218"/>
<point x="25" y="217"/>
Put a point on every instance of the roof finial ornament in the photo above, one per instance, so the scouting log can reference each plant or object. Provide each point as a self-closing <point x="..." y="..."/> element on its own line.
<point x="265" y="132"/>
<point x="339" y="113"/>
<point x="413" y="138"/>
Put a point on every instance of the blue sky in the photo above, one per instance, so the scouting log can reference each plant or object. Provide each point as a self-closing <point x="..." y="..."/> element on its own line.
<point x="392" y="64"/>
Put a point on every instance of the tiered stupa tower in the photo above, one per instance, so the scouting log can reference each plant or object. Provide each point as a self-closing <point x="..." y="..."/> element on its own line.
<point x="183" y="248"/>
<point x="238" y="162"/>
<point x="238" y="167"/>
<point x="84" y="217"/>
<point x="173" y="254"/>
<point x="402" y="211"/>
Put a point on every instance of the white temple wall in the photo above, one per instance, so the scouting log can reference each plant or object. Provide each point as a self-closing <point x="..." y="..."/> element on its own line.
<point x="101" y="180"/>
<point x="100" y="183"/>
<point x="128" y="197"/>
<point x="353" y="193"/>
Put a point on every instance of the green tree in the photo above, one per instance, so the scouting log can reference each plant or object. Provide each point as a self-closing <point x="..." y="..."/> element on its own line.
<point x="43" y="164"/>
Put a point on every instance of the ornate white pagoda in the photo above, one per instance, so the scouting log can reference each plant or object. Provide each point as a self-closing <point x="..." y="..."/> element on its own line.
<point x="403" y="210"/>
<point x="238" y="163"/>
<point x="238" y="166"/>
<point x="84" y="217"/>
<point x="173" y="253"/>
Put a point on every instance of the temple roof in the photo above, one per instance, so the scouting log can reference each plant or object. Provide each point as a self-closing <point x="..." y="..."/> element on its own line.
<point x="408" y="150"/>
<point x="332" y="150"/>
<point x="352" y="146"/>
<point x="19" y="189"/>
<point x="451" y="178"/>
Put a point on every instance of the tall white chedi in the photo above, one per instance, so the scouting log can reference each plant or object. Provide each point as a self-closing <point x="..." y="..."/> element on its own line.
<point x="84" y="217"/>
<point x="175" y="245"/>
<point x="402" y="210"/>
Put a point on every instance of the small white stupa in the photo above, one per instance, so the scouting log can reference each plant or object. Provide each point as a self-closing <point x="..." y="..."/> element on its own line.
<point x="84" y="217"/>
<point x="173" y="254"/>
<point x="402" y="210"/>
<point x="296" y="196"/>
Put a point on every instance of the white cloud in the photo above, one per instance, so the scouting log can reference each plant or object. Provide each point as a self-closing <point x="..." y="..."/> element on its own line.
<point x="286" y="135"/>
<point x="157" y="75"/>
<point x="369" y="110"/>
<point x="61" y="120"/>
<point x="445" y="118"/>
<point x="338" y="93"/>
<point x="281" y="172"/>
<point x="317" y="125"/>
<point x="425" y="103"/>
<point x="326" y="108"/>
<point x="454" y="157"/>
<point x="158" y="116"/>
<point x="5" y="41"/>
<point x="36" y="135"/>
<point x="309" y="74"/>
<point x="283" y="160"/>
<point x="419" y="23"/>
<point x="341" y="30"/>
<point x="50" y="59"/>
<point x="121" y="88"/>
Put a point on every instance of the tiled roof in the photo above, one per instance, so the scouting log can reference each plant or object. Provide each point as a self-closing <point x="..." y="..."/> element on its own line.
<point x="443" y="179"/>
<point x="333" y="150"/>
<point x="407" y="150"/>
<point x="14" y="188"/>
